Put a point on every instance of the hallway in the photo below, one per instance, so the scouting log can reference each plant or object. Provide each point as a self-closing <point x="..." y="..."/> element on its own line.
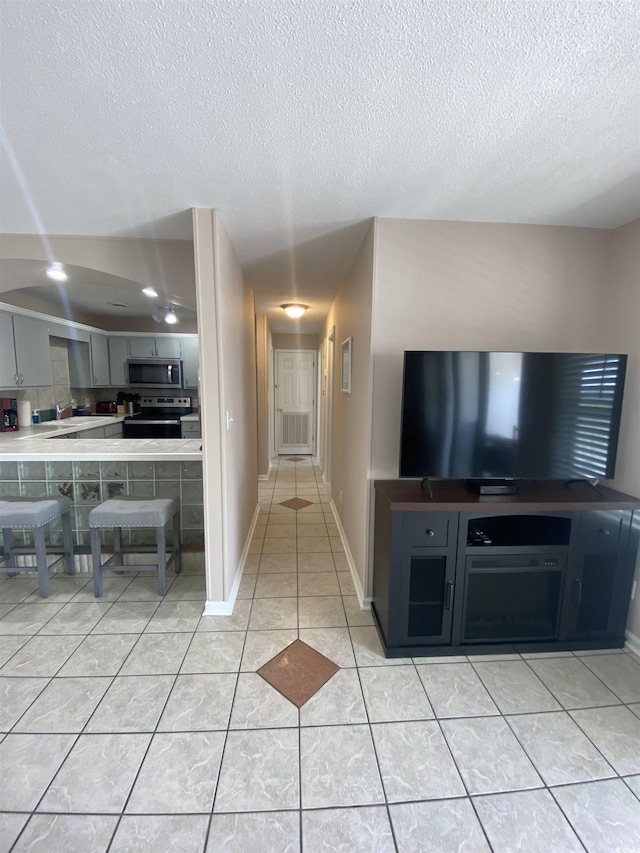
<point x="136" y="724"/>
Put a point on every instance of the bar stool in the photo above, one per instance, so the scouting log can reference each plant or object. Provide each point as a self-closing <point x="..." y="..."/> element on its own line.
<point x="133" y="513"/>
<point x="34" y="514"/>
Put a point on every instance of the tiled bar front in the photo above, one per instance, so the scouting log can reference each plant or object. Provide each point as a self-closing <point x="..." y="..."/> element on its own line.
<point x="88" y="483"/>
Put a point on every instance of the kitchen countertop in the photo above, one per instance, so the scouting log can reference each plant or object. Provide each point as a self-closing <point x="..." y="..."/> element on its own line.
<point x="34" y="444"/>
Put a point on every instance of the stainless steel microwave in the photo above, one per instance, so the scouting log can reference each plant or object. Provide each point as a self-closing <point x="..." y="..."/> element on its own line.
<point x="155" y="373"/>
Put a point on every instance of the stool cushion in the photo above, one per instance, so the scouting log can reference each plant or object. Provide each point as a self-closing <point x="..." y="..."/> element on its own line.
<point x="120" y="512"/>
<point x="25" y="512"/>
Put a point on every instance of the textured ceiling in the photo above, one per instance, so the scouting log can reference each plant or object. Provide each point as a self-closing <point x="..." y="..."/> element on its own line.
<point x="301" y="120"/>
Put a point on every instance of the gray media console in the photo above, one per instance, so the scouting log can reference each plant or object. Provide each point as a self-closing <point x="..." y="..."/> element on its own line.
<point x="550" y="567"/>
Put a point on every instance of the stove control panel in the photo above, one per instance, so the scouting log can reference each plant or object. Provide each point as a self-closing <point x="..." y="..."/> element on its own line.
<point x="165" y="402"/>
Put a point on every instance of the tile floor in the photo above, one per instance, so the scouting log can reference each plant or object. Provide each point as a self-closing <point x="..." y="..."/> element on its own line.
<point x="134" y="724"/>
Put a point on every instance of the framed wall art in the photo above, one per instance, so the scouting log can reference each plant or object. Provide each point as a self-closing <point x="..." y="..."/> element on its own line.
<point x="346" y="365"/>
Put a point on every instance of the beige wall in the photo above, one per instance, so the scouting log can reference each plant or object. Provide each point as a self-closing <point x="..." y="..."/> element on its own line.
<point x="295" y="341"/>
<point x="351" y="316"/>
<point x="228" y="385"/>
<point x="620" y="321"/>
<point x="210" y="402"/>
<point x="236" y="323"/>
<point x="455" y="285"/>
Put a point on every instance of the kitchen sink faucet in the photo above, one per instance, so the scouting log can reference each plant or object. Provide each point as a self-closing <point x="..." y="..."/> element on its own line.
<point x="60" y="409"/>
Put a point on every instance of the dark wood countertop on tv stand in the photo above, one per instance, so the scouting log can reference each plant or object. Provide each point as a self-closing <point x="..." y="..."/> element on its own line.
<point x="531" y="496"/>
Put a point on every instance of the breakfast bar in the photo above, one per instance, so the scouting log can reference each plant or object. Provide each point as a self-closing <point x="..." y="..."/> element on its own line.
<point x="35" y="462"/>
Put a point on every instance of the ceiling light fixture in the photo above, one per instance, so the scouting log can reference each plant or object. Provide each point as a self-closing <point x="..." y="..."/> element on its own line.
<point x="294" y="309"/>
<point x="56" y="272"/>
<point x="150" y="292"/>
<point x="171" y="317"/>
<point x="168" y="314"/>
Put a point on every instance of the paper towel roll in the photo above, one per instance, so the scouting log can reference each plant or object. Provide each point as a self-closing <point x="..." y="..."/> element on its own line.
<point x="24" y="413"/>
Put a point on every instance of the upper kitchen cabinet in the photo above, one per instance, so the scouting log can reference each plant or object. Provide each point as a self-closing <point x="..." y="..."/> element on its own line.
<point x="89" y="363"/>
<point x="151" y="347"/>
<point x="118" y="357"/>
<point x="25" y="356"/>
<point x="190" y="361"/>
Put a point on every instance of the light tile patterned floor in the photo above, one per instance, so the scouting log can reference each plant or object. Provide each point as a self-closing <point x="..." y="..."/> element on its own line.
<point x="135" y="724"/>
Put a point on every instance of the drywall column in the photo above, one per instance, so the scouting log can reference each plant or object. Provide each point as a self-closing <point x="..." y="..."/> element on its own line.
<point x="210" y="403"/>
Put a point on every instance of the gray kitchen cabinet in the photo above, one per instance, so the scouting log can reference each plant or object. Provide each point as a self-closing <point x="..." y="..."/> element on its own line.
<point x="118" y="356"/>
<point x="89" y="362"/>
<point x="79" y="364"/>
<point x="152" y="347"/>
<point x="190" y="429"/>
<point x="25" y="352"/>
<point x="100" y="360"/>
<point x="190" y="361"/>
<point x="8" y="367"/>
<point x="113" y="430"/>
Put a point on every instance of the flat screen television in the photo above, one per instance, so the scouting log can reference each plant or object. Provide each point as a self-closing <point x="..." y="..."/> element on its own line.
<point x="511" y="415"/>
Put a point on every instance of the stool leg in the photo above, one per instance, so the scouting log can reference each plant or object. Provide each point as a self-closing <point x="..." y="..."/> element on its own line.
<point x="96" y="560"/>
<point x="161" y="536"/>
<point x="41" y="561"/>
<point x="67" y="541"/>
<point x="7" y="544"/>
<point x="177" y="565"/>
<point x="117" y="547"/>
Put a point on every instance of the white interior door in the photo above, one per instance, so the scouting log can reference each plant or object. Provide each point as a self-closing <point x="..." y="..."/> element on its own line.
<point x="295" y="403"/>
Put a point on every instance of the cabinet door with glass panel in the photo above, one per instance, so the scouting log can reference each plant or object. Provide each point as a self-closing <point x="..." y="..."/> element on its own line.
<point x="427" y="577"/>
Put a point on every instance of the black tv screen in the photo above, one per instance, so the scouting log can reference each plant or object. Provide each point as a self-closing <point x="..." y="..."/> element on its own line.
<point x="514" y="415"/>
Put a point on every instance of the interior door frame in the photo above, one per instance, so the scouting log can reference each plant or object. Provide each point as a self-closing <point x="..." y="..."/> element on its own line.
<point x="327" y="405"/>
<point x="313" y="421"/>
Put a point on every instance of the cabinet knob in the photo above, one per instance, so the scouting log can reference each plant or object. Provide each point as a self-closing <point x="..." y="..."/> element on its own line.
<point x="429" y="532"/>
<point x="604" y="532"/>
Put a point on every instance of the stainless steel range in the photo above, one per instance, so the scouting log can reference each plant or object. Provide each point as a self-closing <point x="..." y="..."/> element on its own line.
<point x="159" y="418"/>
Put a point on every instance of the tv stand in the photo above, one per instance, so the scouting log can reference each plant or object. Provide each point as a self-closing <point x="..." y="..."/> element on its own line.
<point x="461" y="572"/>
<point x="492" y="486"/>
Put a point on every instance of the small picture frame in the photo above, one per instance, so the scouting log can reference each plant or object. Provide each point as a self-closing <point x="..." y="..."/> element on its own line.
<point x="346" y="365"/>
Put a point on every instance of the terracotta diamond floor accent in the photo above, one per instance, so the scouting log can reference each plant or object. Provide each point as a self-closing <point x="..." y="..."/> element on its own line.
<point x="296" y="503"/>
<point x="295" y="458"/>
<point x="298" y="672"/>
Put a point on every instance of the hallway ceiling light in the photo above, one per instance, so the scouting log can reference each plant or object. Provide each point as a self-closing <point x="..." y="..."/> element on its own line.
<point x="56" y="272"/>
<point x="294" y="309"/>
<point x="150" y="292"/>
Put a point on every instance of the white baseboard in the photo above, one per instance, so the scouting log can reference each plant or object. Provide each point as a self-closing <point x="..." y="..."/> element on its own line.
<point x="365" y="603"/>
<point x="225" y="608"/>
<point x="632" y="642"/>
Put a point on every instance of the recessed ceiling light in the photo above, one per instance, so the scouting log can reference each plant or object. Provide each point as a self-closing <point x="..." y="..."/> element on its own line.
<point x="56" y="272"/>
<point x="150" y="292"/>
<point x="294" y="309"/>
